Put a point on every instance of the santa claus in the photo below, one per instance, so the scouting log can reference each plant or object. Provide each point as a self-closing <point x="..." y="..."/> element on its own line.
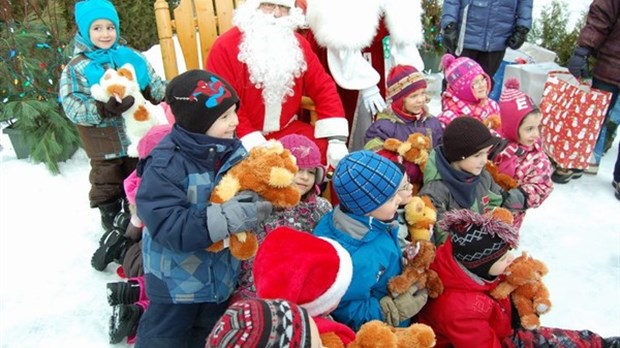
<point x="361" y="41"/>
<point x="271" y="67"/>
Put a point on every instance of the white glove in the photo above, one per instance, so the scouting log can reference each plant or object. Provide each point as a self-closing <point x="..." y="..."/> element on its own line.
<point x="336" y="150"/>
<point x="373" y="101"/>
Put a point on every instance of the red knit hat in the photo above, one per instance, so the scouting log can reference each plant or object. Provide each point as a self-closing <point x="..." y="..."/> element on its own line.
<point x="307" y="270"/>
<point x="460" y="74"/>
<point x="306" y="152"/>
<point x="514" y="105"/>
<point x="402" y="81"/>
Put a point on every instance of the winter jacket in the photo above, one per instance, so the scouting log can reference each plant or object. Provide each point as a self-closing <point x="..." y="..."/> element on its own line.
<point x="177" y="179"/>
<point x="465" y="315"/>
<point x="452" y="107"/>
<point x="102" y="138"/>
<point x="303" y="217"/>
<point x="376" y="255"/>
<point x="531" y="167"/>
<point x="601" y="34"/>
<point x="451" y="189"/>
<point x="488" y="23"/>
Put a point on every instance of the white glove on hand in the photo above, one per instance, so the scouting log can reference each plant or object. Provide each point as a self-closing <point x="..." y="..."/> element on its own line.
<point x="373" y="101"/>
<point x="336" y="150"/>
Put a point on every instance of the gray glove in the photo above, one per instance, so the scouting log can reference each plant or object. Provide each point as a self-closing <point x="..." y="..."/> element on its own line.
<point x="578" y="62"/>
<point x="241" y="213"/>
<point x="404" y="306"/>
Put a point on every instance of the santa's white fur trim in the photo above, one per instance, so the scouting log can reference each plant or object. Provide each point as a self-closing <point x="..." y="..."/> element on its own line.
<point x="331" y="127"/>
<point x="404" y="21"/>
<point x="344" y="23"/>
<point x="252" y="140"/>
<point x="331" y="297"/>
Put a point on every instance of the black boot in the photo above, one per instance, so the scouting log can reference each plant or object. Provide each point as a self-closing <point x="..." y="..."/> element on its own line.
<point x="611" y="342"/>
<point x="123" y="292"/>
<point x="121" y="221"/>
<point x="108" y="212"/>
<point x="112" y="247"/>
<point x="124" y="322"/>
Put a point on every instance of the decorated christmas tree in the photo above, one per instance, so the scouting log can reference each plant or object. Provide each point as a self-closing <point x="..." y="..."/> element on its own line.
<point x="33" y="50"/>
<point x="432" y="47"/>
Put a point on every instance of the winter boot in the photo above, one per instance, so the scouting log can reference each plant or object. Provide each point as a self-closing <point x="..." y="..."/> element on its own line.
<point x="121" y="221"/>
<point x="611" y="342"/>
<point x="111" y="247"/>
<point x="108" y="213"/>
<point x="123" y="292"/>
<point x="124" y="321"/>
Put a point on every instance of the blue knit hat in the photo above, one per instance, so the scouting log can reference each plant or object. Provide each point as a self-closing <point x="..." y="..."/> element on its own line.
<point x="88" y="11"/>
<point x="364" y="181"/>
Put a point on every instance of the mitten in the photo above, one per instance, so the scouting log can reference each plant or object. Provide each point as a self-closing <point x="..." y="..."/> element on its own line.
<point x="112" y="108"/>
<point x="148" y="96"/>
<point x="518" y="37"/>
<point x="404" y="306"/>
<point x="336" y="150"/>
<point x="241" y="213"/>
<point x="373" y="101"/>
<point x="450" y="37"/>
<point x="578" y="62"/>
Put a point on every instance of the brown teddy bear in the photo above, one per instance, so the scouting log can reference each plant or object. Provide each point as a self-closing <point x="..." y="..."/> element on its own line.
<point x="269" y="171"/>
<point x="377" y="334"/>
<point x="417" y="270"/>
<point x="420" y="216"/>
<point x="522" y="281"/>
<point x="415" y="150"/>
<point x="506" y="181"/>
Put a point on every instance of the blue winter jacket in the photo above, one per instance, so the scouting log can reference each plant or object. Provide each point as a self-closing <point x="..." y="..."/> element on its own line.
<point x="177" y="179"/>
<point x="376" y="257"/>
<point x="489" y="23"/>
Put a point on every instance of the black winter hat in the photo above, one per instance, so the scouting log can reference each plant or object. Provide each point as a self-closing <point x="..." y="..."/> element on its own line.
<point x="198" y="98"/>
<point x="478" y="241"/>
<point x="465" y="136"/>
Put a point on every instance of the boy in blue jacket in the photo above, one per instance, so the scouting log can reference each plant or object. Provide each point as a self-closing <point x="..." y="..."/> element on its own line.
<point x="364" y="224"/>
<point x="189" y="287"/>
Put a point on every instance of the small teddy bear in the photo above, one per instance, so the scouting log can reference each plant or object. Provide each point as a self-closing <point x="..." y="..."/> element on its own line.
<point x="417" y="271"/>
<point x="413" y="152"/>
<point x="268" y="170"/>
<point x="504" y="180"/>
<point x="377" y="334"/>
<point x="523" y="282"/>
<point x="138" y="118"/>
<point x="420" y="215"/>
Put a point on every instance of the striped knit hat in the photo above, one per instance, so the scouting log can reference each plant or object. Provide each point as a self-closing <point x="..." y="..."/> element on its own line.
<point x="402" y="81"/>
<point x="255" y="323"/>
<point x="478" y="241"/>
<point x="364" y="181"/>
<point x="514" y="105"/>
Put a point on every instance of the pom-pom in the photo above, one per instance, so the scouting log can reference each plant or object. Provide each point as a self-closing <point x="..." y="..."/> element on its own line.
<point x="446" y="60"/>
<point x="512" y="83"/>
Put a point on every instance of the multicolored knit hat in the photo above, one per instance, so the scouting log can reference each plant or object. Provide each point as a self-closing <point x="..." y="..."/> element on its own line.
<point x="299" y="267"/>
<point x="514" y="105"/>
<point x="256" y="323"/>
<point x="306" y="152"/>
<point x="88" y="11"/>
<point x="197" y="98"/>
<point x="465" y="136"/>
<point x="478" y="241"/>
<point x="460" y="74"/>
<point x="364" y="181"/>
<point x="402" y="81"/>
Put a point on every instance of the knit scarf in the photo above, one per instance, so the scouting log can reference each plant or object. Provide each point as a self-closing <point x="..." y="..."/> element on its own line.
<point x="461" y="185"/>
<point x="115" y="56"/>
<point x="397" y="107"/>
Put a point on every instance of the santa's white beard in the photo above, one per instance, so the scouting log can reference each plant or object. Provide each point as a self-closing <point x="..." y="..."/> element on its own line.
<point x="272" y="53"/>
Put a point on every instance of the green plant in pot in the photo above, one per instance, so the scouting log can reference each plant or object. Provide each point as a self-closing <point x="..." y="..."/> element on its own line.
<point x="431" y="49"/>
<point x="33" y="50"/>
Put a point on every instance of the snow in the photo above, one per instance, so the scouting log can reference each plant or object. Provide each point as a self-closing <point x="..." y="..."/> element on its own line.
<point x="51" y="296"/>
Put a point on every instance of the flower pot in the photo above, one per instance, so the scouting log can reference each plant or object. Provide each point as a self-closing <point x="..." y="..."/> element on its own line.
<point x="431" y="60"/>
<point x="20" y="142"/>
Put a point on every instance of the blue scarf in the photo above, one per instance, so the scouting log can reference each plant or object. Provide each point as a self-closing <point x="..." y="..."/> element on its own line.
<point x="462" y="185"/>
<point x="115" y="56"/>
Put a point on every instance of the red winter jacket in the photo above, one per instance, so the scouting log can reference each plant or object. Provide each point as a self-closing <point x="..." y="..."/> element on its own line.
<point x="465" y="315"/>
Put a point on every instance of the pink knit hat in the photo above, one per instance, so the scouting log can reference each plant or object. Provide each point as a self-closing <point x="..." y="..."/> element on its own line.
<point x="460" y="74"/>
<point x="514" y="105"/>
<point x="306" y="152"/>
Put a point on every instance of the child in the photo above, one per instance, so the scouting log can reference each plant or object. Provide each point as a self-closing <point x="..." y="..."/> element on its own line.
<point x="455" y="176"/>
<point x="469" y="264"/>
<point x="189" y="288"/>
<point x="523" y="158"/>
<point x="467" y="92"/>
<point x="265" y="324"/>
<point x="364" y="223"/>
<point x="98" y="46"/>
<point x="304" y="216"/>
<point x="406" y="89"/>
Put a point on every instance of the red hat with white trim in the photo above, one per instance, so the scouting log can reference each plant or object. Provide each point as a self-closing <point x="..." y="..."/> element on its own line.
<point x="313" y="272"/>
